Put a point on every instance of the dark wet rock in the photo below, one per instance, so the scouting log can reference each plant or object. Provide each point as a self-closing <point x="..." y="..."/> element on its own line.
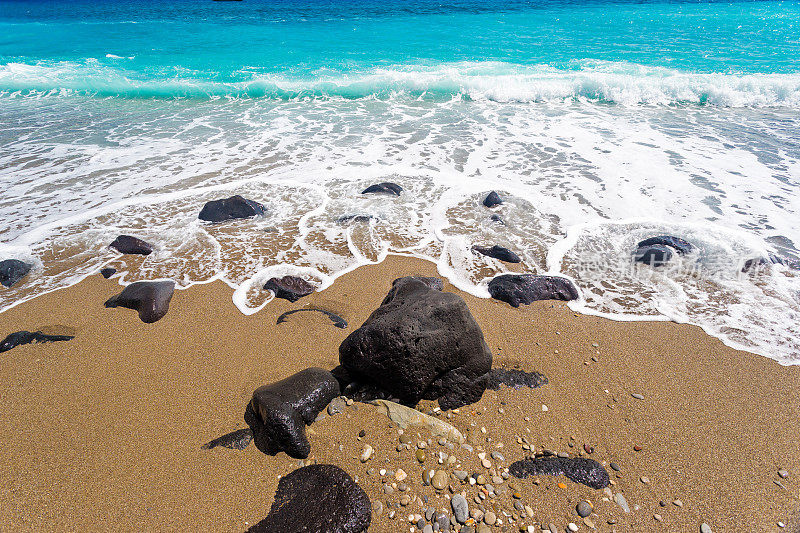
<point x="290" y="288"/>
<point x="126" y="244"/>
<point x="355" y="218"/>
<point x="516" y="379"/>
<point x="386" y="187"/>
<point x="420" y="343"/>
<point x="676" y="243"/>
<point x="492" y="199"/>
<point x="751" y="265"/>
<point x="496" y="218"/>
<point x="655" y="255"/>
<point x="27" y="337"/>
<point x="231" y="208"/>
<point x="527" y="288"/>
<point x="150" y="298"/>
<point x="316" y="499"/>
<point x="579" y="469"/>
<point x="108" y="272"/>
<point x="498" y="252"/>
<point x="13" y="270"/>
<point x="338" y="321"/>
<point x="280" y="411"/>
<point x="433" y="283"/>
<point x="235" y="440"/>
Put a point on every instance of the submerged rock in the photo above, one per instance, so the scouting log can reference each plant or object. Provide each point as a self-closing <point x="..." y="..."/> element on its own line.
<point x="516" y="379"/>
<point x="355" y="218"/>
<point x="496" y="218"/>
<point x="406" y="416"/>
<point x="420" y="343"/>
<point x="338" y="321"/>
<point x="26" y="337"/>
<point x="655" y="255"/>
<point x="280" y="411"/>
<point x="753" y="264"/>
<point x="108" y="272"/>
<point x="386" y="187"/>
<point x="317" y="498"/>
<point x="235" y="207"/>
<point x="492" y="199"/>
<point x="518" y="289"/>
<point x="126" y="244"/>
<point x="498" y="252"/>
<point x="150" y="298"/>
<point x="289" y="288"/>
<point x="681" y="246"/>
<point x="13" y="270"/>
<point x="235" y="440"/>
<point x="579" y="469"/>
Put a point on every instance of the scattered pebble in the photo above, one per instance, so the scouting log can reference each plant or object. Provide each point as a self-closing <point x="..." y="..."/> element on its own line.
<point x="420" y="454"/>
<point x="439" y="480"/>
<point x="584" y="509"/>
<point x="677" y="503"/>
<point x="622" y="502"/>
<point x="705" y="528"/>
<point x="572" y="527"/>
<point x="460" y="508"/>
<point x="783" y="473"/>
<point x="489" y="518"/>
<point x="615" y="467"/>
<point x="637" y="396"/>
<point x="366" y="455"/>
<point x="637" y="448"/>
<point x="657" y="517"/>
<point x="644" y="479"/>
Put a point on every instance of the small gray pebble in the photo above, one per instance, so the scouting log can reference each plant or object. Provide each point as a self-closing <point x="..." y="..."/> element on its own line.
<point x="563" y="455"/>
<point x="583" y="509"/>
<point x="705" y="528"/>
<point x="427" y="528"/>
<point x="615" y="467"/>
<point x="783" y="473"/>
<point x="637" y="396"/>
<point x="497" y="456"/>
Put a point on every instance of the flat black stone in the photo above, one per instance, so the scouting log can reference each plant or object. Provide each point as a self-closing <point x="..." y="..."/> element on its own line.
<point x="492" y="199"/>
<point x="496" y="218"/>
<point x="355" y="218"/>
<point x="386" y="187"/>
<point x="579" y="469"/>
<point x="126" y="244"/>
<point x="13" y="270"/>
<point x="515" y="379"/>
<point x="279" y="412"/>
<point x="235" y="207"/>
<point x="654" y="255"/>
<point x="338" y="321"/>
<point x="108" y="272"/>
<point x="27" y="337"/>
<point x="235" y="440"/>
<point x="516" y="289"/>
<point x="150" y="298"/>
<point x="289" y="288"/>
<point x="681" y="246"/>
<point x="317" y="499"/>
<point x="498" y="252"/>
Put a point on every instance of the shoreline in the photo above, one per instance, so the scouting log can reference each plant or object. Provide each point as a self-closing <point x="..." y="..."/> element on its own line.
<point x="104" y="431"/>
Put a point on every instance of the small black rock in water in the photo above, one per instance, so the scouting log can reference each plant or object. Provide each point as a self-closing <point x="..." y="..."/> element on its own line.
<point x="108" y="272"/>
<point x="355" y="218"/>
<point x="681" y="246"/>
<point x="280" y="411"/>
<point x="27" y="337"/>
<point x="386" y="187"/>
<point x="13" y="270"/>
<point x="516" y="379"/>
<point x="517" y="289"/>
<point x="290" y="288"/>
<point x="579" y="469"/>
<point x="753" y="264"/>
<point x="150" y="298"/>
<point x="492" y="199"/>
<point x="317" y="499"/>
<point x="338" y="321"/>
<point x="496" y="218"/>
<point x="235" y="207"/>
<point x="126" y="244"/>
<point x="654" y="255"/>
<point x="235" y="440"/>
<point x="498" y="252"/>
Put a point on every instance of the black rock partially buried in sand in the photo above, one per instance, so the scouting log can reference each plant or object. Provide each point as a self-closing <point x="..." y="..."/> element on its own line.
<point x="26" y="337"/>
<point x="658" y="251"/>
<point x="232" y="208"/>
<point x="681" y="246"/>
<point x="386" y="187"/>
<point x="235" y="440"/>
<point x="515" y="379"/>
<point x="13" y="270"/>
<point x="150" y="298"/>
<point x="289" y="288"/>
<point x="498" y="252"/>
<point x="420" y="344"/>
<point x="579" y="469"/>
<point x="108" y="272"/>
<point x="516" y="289"/>
<point x="492" y="199"/>
<point x="317" y="499"/>
<point x="279" y="412"/>
<point x="126" y="244"/>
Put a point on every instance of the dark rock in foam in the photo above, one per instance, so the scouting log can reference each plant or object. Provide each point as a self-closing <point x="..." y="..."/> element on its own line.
<point x="496" y="218"/>
<point x="108" y="272"/>
<point x="579" y="469"/>
<point x="127" y="244"/>
<point x="753" y="264"/>
<point x="27" y="337"/>
<point x="150" y="298"/>
<point x="317" y="499"/>
<point x="235" y="207"/>
<point x="13" y="270"/>
<point x="681" y="246"/>
<point x="498" y="252"/>
<point x="526" y="288"/>
<point x="290" y="288"/>
<point x="386" y="187"/>
<point x="492" y="199"/>
<point x="653" y="255"/>
<point x="279" y="412"/>
<point x="420" y="343"/>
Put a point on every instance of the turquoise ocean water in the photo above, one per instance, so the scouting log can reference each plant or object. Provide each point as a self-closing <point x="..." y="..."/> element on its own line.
<point x="601" y="122"/>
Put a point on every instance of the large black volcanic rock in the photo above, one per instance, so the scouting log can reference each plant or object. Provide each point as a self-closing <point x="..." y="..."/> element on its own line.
<point x="230" y="208"/>
<point x="150" y="298"/>
<point x="13" y="270"/>
<point x="526" y="288"/>
<point x="280" y="411"/>
<point x="317" y="499"/>
<point x="654" y="255"/>
<point x="498" y="252"/>
<point x="125" y="244"/>
<point x="420" y="343"/>
<point x="681" y="246"/>
<point x="290" y="288"/>
<point x="386" y="187"/>
<point x="579" y="469"/>
<point x="492" y="199"/>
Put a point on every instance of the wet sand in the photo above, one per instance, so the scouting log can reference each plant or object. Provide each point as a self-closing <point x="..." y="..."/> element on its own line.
<point x="104" y="432"/>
